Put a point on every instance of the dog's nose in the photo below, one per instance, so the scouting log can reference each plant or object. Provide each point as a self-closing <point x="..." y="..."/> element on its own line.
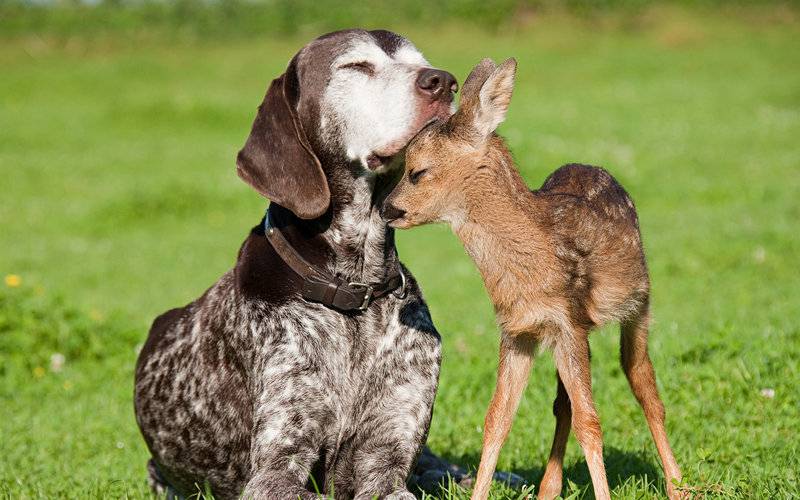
<point x="437" y="83"/>
<point x="391" y="212"/>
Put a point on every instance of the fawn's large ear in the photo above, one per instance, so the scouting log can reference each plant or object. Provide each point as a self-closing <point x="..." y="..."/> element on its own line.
<point x="277" y="159"/>
<point x="485" y="97"/>
<point x="470" y="96"/>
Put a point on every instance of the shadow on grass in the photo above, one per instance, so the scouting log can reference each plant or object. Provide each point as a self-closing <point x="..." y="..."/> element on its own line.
<point x="621" y="467"/>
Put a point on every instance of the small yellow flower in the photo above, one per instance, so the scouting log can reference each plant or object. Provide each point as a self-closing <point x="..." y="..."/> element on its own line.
<point x="38" y="372"/>
<point x="13" y="280"/>
<point x="96" y="315"/>
<point x="67" y="385"/>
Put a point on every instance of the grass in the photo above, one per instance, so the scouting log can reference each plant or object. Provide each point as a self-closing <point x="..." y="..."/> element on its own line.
<point x="120" y="201"/>
<point x="201" y="19"/>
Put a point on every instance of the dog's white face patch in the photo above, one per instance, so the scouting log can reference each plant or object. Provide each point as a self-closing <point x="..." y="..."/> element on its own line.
<point x="371" y="105"/>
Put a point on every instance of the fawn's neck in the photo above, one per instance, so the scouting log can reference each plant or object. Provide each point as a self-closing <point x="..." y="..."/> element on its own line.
<point x="500" y="232"/>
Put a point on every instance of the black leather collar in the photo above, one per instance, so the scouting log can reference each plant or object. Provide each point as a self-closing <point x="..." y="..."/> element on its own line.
<point x="331" y="291"/>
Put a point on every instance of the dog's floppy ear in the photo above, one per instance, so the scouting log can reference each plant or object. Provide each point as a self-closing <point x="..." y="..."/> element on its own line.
<point x="277" y="159"/>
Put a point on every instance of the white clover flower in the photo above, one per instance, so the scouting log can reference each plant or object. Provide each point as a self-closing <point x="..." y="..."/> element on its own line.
<point x="57" y="361"/>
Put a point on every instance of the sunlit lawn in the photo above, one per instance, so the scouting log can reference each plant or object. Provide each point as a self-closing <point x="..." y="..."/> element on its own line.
<point x="120" y="200"/>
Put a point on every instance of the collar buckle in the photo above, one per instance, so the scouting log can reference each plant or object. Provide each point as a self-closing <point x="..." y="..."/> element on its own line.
<point x="368" y="289"/>
<point x="319" y="286"/>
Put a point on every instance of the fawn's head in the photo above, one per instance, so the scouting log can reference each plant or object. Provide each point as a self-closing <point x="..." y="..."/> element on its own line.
<point x="447" y="157"/>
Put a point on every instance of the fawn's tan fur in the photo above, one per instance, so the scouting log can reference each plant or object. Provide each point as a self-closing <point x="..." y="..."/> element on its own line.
<point x="557" y="263"/>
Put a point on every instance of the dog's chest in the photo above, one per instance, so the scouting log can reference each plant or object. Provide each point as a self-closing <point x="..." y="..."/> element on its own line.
<point x="322" y="356"/>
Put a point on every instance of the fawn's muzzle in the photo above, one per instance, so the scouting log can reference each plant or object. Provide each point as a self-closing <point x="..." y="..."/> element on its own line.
<point x="391" y="212"/>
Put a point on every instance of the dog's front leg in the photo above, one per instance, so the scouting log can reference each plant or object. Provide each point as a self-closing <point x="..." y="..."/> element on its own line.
<point x="381" y="469"/>
<point x="396" y="407"/>
<point x="276" y="485"/>
<point x="281" y="466"/>
<point x="280" y="471"/>
<point x="285" y="441"/>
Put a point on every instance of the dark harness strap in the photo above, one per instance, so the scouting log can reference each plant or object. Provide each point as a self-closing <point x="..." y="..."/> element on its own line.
<point x="331" y="291"/>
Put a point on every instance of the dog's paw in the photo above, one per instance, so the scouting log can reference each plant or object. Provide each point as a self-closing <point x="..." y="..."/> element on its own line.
<point x="510" y="479"/>
<point x="401" y="495"/>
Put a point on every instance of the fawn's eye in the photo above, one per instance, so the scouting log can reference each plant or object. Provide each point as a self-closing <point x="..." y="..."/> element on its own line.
<point x="362" y="66"/>
<point x="416" y="175"/>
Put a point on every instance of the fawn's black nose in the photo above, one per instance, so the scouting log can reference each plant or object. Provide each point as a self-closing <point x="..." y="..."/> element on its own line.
<point x="391" y="212"/>
<point x="437" y="83"/>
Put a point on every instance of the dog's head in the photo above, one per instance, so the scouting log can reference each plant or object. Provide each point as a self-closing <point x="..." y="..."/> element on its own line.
<point x="355" y="97"/>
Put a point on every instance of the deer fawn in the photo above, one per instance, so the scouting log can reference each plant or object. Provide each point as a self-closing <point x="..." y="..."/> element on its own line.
<point x="557" y="262"/>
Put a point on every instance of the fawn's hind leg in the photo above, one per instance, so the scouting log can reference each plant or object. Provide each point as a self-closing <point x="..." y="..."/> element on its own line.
<point x="639" y="370"/>
<point x="551" y="482"/>
<point x="516" y="357"/>
<point x="572" y="360"/>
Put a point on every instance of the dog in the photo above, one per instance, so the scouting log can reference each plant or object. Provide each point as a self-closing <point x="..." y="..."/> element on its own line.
<point x="312" y="366"/>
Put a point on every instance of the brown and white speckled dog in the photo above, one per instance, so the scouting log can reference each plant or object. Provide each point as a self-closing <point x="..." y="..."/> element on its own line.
<point x="557" y="262"/>
<point x="251" y="388"/>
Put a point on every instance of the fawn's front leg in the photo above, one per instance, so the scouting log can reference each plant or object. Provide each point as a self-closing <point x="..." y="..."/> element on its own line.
<point x="516" y="357"/>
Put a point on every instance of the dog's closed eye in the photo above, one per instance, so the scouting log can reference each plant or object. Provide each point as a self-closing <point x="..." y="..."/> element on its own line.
<point x="363" y="66"/>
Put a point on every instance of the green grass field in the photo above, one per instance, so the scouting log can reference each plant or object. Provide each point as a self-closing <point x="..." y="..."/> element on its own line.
<point x="120" y="200"/>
